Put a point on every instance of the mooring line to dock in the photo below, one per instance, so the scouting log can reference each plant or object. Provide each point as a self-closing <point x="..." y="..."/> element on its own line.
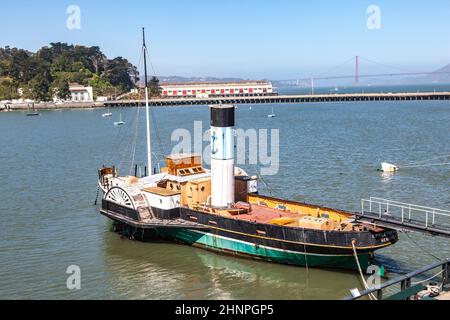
<point x="428" y="160"/>
<point x="425" y="163"/>
<point x="429" y="279"/>
<point x="420" y="247"/>
<point x="366" y="286"/>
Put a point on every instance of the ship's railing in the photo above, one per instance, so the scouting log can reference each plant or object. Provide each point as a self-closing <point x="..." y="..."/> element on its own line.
<point x="408" y="288"/>
<point x="405" y="212"/>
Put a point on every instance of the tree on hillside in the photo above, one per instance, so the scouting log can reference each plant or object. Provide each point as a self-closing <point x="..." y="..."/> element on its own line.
<point x="47" y="71"/>
<point x="97" y="59"/>
<point x="119" y="72"/>
<point x="154" y="88"/>
<point x="101" y="86"/>
<point x="38" y="88"/>
<point x="7" y="89"/>
<point x="60" y="88"/>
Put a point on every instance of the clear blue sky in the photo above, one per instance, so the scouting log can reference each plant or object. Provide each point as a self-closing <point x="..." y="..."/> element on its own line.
<point x="277" y="39"/>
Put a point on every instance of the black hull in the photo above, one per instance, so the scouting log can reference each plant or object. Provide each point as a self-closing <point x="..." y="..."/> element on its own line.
<point x="265" y="235"/>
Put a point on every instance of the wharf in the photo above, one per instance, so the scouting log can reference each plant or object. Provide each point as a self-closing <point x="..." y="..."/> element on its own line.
<point x="254" y="100"/>
<point x="297" y="99"/>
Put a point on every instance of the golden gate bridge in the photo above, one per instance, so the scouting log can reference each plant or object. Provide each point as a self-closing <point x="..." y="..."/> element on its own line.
<point x="357" y="75"/>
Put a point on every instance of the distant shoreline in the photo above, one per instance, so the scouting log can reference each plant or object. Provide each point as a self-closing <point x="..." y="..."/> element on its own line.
<point x="52" y="106"/>
<point x="277" y="99"/>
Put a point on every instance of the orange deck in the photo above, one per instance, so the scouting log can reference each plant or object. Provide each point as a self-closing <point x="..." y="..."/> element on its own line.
<point x="260" y="214"/>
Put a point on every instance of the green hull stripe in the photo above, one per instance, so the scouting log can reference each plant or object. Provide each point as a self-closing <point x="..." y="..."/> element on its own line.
<point x="228" y="245"/>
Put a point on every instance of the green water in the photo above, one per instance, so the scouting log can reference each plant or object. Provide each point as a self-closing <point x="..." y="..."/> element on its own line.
<point x="329" y="156"/>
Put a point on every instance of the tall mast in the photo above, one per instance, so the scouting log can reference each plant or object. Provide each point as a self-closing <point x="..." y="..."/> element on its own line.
<point x="149" y="145"/>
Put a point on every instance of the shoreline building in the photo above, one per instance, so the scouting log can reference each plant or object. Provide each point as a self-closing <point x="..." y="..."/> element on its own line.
<point x="80" y="93"/>
<point x="216" y="89"/>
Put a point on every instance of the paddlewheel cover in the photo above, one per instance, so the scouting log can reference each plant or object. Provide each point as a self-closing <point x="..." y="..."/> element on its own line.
<point x="120" y="197"/>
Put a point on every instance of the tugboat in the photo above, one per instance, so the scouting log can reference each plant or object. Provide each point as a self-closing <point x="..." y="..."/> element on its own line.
<point x="220" y="209"/>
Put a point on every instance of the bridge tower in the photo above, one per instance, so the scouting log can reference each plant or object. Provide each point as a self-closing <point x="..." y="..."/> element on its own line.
<point x="357" y="69"/>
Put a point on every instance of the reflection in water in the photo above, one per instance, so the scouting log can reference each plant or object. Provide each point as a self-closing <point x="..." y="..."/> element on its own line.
<point x="387" y="176"/>
<point x="165" y="270"/>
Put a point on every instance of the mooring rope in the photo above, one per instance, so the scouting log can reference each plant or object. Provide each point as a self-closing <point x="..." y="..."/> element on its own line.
<point x="429" y="279"/>
<point x="366" y="286"/>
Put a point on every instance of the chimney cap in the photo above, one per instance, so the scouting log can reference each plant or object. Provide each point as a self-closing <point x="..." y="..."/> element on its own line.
<point x="222" y="115"/>
<point x="222" y="106"/>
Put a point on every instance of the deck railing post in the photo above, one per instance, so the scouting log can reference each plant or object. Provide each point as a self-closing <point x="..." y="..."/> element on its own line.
<point x="403" y="215"/>
<point x="426" y="219"/>
<point x="434" y="217"/>
<point x="446" y="273"/>
<point x="406" y="284"/>
<point x="380" y="294"/>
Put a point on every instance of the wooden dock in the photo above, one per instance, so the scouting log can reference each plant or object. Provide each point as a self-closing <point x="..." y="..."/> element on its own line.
<point x="297" y="99"/>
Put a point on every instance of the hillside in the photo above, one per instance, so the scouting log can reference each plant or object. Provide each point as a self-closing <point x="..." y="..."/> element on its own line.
<point x="46" y="73"/>
<point x="441" y="76"/>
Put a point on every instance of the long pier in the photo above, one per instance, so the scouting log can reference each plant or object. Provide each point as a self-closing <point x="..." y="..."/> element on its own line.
<point x="255" y="100"/>
<point x="346" y="97"/>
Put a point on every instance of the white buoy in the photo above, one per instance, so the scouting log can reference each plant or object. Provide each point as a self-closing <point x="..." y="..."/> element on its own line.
<point x="388" y="167"/>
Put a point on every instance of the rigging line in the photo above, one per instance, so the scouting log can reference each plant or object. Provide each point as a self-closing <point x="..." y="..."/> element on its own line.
<point x="150" y="61"/>
<point x="131" y="145"/>
<point x="136" y="135"/>
<point x="117" y="142"/>
<point x="263" y="181"/>
<point x="153" y="118"/>
<point x="133" y="140"/>
<point x="128" y="148"/>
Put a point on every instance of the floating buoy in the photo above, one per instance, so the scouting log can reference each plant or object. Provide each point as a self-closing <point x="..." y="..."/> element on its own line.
<point x="388" y="167"/>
